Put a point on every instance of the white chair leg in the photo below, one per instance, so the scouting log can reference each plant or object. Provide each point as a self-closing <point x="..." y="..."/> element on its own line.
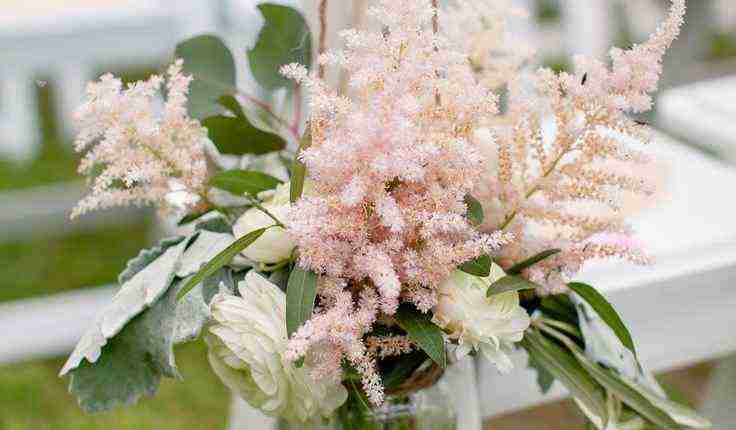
<point x="20" y="136"/>
<point x="71" y="80"/>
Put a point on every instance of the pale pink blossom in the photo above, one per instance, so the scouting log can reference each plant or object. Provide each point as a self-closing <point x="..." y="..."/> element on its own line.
<point x="139" y="145"/>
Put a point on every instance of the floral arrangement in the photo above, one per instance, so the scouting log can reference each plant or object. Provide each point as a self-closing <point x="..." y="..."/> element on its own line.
<point x="339" y="245"/>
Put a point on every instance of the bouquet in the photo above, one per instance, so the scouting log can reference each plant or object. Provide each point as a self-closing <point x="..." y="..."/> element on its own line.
<point x="341" y="242"/>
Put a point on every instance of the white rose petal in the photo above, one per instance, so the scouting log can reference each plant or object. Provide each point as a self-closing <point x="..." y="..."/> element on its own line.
<point x="247" y="343"/>
<point x="487" y="324"/>
<point x="275" y="244"/>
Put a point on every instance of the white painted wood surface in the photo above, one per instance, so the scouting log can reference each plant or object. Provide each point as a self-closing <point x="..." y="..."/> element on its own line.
<point x="704" y="113"/>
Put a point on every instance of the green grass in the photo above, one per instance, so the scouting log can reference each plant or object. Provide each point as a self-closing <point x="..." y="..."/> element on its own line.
<point x="46" y="266"/>
<point x="34" y="398"/>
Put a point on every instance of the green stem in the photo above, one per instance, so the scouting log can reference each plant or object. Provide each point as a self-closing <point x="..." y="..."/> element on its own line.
<point x="260" y="207"/>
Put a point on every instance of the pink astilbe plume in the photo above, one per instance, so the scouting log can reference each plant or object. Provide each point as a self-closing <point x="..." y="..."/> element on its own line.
<point x="145" y="149"/>
<point x="391" y="164"/>
<point x="554" y="187"/>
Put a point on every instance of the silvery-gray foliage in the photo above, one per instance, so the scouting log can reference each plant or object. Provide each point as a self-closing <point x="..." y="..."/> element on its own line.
<point x="129" y="348"/>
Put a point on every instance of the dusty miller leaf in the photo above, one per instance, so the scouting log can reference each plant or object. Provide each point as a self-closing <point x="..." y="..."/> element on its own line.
<point x="141" y="291"/>
<point x="146" y="257"/>
<point x="131" y="364"/>
<point x="204" y="248"/>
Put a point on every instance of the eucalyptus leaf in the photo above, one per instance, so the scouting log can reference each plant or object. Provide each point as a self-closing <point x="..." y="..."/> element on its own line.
<point x="238" y="136"/>
<point x="283" y="39"/>
<point x="481" y="266"/>
<point x="520" y="266"/>
<point x="298" y="169"/>
<point x="301" y="291"/>
<point x="241" y="182"/>
<point x="510" y="283"/>
<point x="211" y="64"/>
<point x="562" y="365"/>
<point x="221" y="260"/>
<point x="475" y="210"/>
<point x="423" y="332"/>
<point x="606" y="312"/>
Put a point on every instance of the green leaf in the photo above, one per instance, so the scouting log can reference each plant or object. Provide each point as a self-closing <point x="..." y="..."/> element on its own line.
<point x="510" y="283"/>
<point x="192" y="217"/>
<point x="232" y="105"/>
<point x="211" y="64"/>
<point x="241" y="182"/>
<point x="298" y="169"/>
<point x="606" y="312"/>
<point x="561" y="308"/>
<point x="221" y="260"/>
<point x="481" y="266"/>
<point x="403" y="368"/>
<point x="237" y="136"/>
<point x="216" y="225"/>
<point x="519" y="267"/>
<point x="475" y="210"/>
<point x="284" y="39"/>
<point x="222" y="279"/>
<point x="544" y="378"/>
<point x="301" y="292"/>
<point x="680" y="413"/>
<point x="423" y="332"/>
<point x="617" y="386"/>
<point x="563" y="366"/>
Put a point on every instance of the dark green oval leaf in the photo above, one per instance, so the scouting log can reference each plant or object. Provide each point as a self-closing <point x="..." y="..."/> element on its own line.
<point x="210" y="63"/>
<point x="475" y="210"/>
<point x="238" y="136"/>
<point x="241" y="182"/>
<point x="481" y="266"/>
<point x="423" y="332"/>
<point x="301" y="292"/>
<point x="221" y="260"/>
<point x="519" y="267"/>
<point x="298" y="169"/>
<point x="284" y="39"/>
<point x="606" y="312"/>
<point x="510" y="283"/>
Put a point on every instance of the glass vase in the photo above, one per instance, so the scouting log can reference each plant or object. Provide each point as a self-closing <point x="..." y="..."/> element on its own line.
<point x="449" y="404"/>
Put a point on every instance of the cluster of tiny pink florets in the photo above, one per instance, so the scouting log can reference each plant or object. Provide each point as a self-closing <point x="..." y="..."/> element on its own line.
<point x="391" y="166"/>
<point x="146" y="149"/>
<point x="563" y="191"/>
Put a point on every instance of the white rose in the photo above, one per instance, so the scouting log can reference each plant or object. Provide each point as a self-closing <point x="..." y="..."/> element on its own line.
<point x="247" y="343"/>
<point x="487" y="324"/>
<point x="275" y="244"/>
